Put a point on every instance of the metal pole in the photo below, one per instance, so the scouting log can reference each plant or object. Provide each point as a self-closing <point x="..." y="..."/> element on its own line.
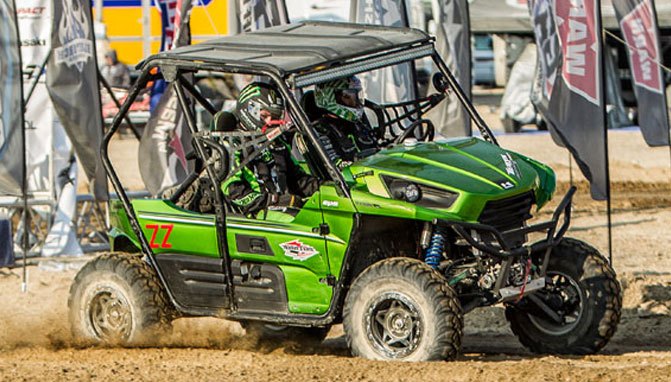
<point x="24" y="184"/>
<point x="570" y="167"/>
<point x="602" y="85"/>
<point x="233" y="21"/>
<point x="33" y="85"/>
<point x="146" y="27"/>
<point x="666" y="105"/>
<point x="99" y="10"/>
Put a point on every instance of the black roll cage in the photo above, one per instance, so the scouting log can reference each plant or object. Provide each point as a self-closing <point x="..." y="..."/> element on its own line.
<point x="173" y="70"/>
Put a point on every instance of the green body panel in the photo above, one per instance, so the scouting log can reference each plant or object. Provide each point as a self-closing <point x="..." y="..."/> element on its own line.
<point x="338" y="213"/>
<point x="475" y="170"/>
<point x="171" y="229"/>
<point x="472" y="168"/>
<point x="305" y="290"/>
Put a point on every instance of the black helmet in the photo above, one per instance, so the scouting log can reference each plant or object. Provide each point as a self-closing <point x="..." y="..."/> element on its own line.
<point x="258" y="104"/>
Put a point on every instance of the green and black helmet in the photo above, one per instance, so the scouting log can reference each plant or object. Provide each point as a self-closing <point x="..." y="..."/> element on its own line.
<point x="342" y="97"/>
<point x="258" y="105"/>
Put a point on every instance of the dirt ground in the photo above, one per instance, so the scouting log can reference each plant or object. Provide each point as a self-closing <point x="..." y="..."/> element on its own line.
<point x="35" y="342"/>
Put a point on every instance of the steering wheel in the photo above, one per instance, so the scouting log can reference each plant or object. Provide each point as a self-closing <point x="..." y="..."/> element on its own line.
<point x="427" y="134"/>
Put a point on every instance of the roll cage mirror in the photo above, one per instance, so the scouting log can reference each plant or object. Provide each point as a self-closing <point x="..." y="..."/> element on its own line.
<point x="440" y="83"/>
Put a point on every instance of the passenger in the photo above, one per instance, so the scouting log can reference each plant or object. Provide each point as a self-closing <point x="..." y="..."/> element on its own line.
<point x="273" y="178"/>
<point x="344" y="129"/>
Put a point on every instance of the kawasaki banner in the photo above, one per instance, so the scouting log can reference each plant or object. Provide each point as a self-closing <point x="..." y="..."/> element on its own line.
<point x="393" y="84"/>
<point x="453" y="42"/>
<point x="638" y="23"/>
<point x="12" y="154"/>
<point x="34" y="17"/>
<point x="166" y="138"/>
<point x="258" y="14"/>
<point x="568" y="37"/>
<point x="72" y="82"/>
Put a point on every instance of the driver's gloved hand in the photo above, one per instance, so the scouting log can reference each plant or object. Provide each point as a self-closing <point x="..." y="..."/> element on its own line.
<point x="341" y="164"/>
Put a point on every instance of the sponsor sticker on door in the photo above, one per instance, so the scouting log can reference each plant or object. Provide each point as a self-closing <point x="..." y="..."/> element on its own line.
<point x="296" y="250"/>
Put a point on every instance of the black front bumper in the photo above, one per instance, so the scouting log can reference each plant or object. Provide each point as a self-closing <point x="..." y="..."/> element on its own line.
<point x="500" y="247"/>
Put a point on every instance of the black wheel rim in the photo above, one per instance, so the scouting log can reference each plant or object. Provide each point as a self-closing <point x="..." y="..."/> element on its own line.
<point x="564" y="296"/>
<point x="110" y="315"/>
<point x="394" y="325"/>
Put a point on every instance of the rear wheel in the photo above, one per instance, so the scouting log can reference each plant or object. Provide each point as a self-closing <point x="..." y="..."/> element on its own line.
<point x="579" y="309"/>
<point x="117" y="299"/>
<point x="401" y="309"/>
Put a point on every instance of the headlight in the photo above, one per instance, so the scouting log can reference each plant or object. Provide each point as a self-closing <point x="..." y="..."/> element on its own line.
<point x="419" y="194"/>
<point x="412" y="193"/>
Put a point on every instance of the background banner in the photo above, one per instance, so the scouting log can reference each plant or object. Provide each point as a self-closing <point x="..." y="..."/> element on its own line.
<point x="166" y="138"/>
<point x="72" y="82"/>
<point x="638" y="23"/>
<point x="453" y="43"/>
<point x="34" y="18"/>
<point x="12" y="155"/>
<point x="392" y="84"/>
<point x="258" y="14"/>
<point x="568" y="37"/>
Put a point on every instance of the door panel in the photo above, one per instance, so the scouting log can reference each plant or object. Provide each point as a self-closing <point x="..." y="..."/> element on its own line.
<point x="294" y="244"/>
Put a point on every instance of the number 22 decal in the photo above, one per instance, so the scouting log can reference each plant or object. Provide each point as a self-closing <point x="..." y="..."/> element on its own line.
<point x="156" y="228"/>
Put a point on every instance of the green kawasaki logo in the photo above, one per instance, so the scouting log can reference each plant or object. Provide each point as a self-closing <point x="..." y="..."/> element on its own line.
<point x="297" y="250"/>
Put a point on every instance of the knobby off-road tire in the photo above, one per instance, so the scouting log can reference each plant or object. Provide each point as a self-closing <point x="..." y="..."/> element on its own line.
<point x="593" y="310"/>
<point x="117" y="299"/>
<point x="401" y="309"/>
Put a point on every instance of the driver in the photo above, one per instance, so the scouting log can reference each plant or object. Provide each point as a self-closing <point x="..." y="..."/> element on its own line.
<point x="344" y="129"/>
<point x="273" y="178"/>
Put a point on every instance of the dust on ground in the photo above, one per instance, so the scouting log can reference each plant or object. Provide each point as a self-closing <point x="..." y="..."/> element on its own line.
<point x="35" y="342"/>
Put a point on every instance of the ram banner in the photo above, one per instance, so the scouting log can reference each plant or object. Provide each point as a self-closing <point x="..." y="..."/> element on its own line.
<point x="568" y="38"/>
<point x="638" y="23"/>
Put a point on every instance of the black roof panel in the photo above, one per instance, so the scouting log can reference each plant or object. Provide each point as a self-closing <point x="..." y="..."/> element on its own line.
<point x="295" y="47"/>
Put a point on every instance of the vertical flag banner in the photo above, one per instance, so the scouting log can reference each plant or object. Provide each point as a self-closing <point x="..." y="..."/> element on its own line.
<point x="453" y="43"/>
<point x="166" y="138"/>
<point x="259" y="14"/>
<point x="394" y="84"/>
<point x="568" y="37"/>
<point x="638" y="23"/>
<point x="12" y="154"/>
<point x="34" y="18"/>
<point x="72" y="82"/>
<point x="168" y="10"/>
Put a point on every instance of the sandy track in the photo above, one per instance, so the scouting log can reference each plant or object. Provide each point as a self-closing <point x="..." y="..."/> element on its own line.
<point x="35" y="341"/>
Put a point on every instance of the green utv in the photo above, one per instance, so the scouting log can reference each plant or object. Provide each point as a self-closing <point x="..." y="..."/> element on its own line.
<point x="397" y="246"/>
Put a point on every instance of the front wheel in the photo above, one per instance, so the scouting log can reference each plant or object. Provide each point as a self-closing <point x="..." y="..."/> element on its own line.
<point x="578" y="310"/>
<point x="401" y="309"/>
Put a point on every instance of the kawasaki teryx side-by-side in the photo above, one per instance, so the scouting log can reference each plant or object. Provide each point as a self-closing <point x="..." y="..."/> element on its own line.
<point x="397" y="246"/>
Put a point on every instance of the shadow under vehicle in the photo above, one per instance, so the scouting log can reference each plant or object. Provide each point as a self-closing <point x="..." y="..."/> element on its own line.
<point x="397" y="246"/>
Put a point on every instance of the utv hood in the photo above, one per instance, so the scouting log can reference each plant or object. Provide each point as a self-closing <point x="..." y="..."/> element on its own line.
<point x="469" y="167"/>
